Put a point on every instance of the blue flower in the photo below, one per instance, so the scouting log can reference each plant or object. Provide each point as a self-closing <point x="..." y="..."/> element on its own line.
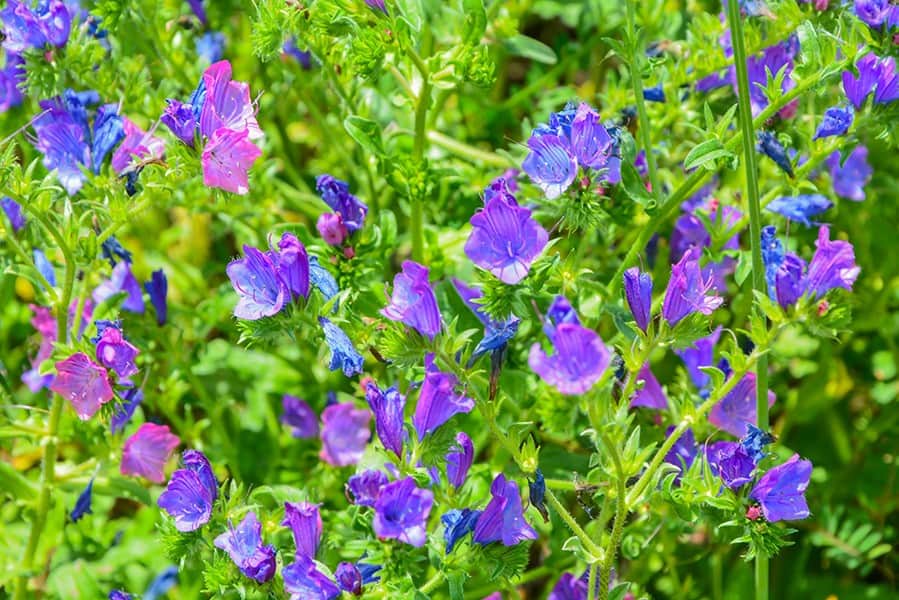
<point x="122" y="413"/>
<point x="162" y="583"/>
<point x="638" y="293"/>
<point x="771" y="147"/>
<point x="352" y="577"/>
<point x="800" y="208"/>
<point x="837" y="121"/>
<point x="83" y="503"/>
<point x="262" y="291"/>
<point x="537" y="494"/>
<point x="158" y="288"/>
<point x="550" y="163"/>
<point x="654" y="94"/>
<point x="388" y="408"/>
<point x="781" y="491"/>
<point x="305" y="521"/>
<point x="503" y="519"/>
<point x="457" y="524"/>
<point x="754" y="441"/>
<point x="109" y="130"/>
<point x="438" y="400"/>
<point x="43" y="266"/>
<point x="211" y="46"/>
<point x="343" y="355"/>
<point x="850" y="176"/>
<point x="13" y="212"/>
<point x="773" y="255"/>
<point x="322" y="279"/>
<point x="191" y="492"/>
<point x="730" y="462"/>
<point x="244" y="545"/>
<point x="459" y="460"/>
<point x="401" y="512"/>
<point x="111" y="249"/>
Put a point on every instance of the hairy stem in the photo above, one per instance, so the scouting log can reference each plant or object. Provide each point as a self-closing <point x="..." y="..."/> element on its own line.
<point x="588" y="544"/>
<point x="621" y="511"/>
<point x="636" y="63"/>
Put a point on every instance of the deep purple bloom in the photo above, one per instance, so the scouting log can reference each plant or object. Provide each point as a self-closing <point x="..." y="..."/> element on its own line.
<point x="832" y="266"/>
<point x="691" y="231"/>
<point x="401" y="512"/>
<point x="227" y="157"/>
<point x="654" y="94"/>
<point x="503" y="519"/>
<point x="413" y="301"/>
<point x="837" y="121"/>
<point x="560" y="311"/>
<point x="850" y="177"/>
<point x="119" y="595"/>
<point x="550" y="163"/>
<point x="754" y="442"/>
<point x="771" y="147"/>
<point x="687" y="288"/>
<point x="570" y="587"/>
<point x="303" y="581"/>
<point x="682" y="453"/>
<point x="888" y="82"/>
<point x="13" y="212"/>
<point x="873" y="12"/>
<point x="198" y="9"/>
<point x="121" y="280"/>
<point x="366" y="486"/>
<point x="593" y="146"/>
<point x="344" y="355"/>
<point x="330" y="226"/>
<point x="305" y="521"/>
<point x="116" y="353"/>
<point x="337" y="196"/>
<point x="790" y="280"/>
<point x="638" y="292"/>
<point x="12" y="78"/>
<point x="255" y="279"/>
<point x="304" y="57"/>
<point x="537" y="494"/>
<point x="113" y="251"/>
<point x="299" y="416"/>
<point x="181" y="119"/>
<point x="244" y="545"/>
<point x="147" y="450"/>
<point x="28" y="28"/>
<point x="388" y="406"/>
<point x="83" y="383"/>
<point x="122" y="413"/>
<point x="377" y="5"/>
<point x="211" y="46"/>
<point x="651" y="394"/>
<point x="344" y="434"/>
<point x="858" y="88"/>
<point x="781" y="491"/>
<point x="457" y="524"/>
<point x="730" y="462"/>
<point x="158" y="288"/>
<point x="737" y="408"/>
<point x="349" y="578"/>
<point x="459" y="460"/>
<point x="83" y="503"/>
<point x="800" y="208"/>
<point x="505" y="240"/>
<point x="191" y="492"/>
<point x="503" y="186"/>
<point x="579" y="359"/>
<point x="438" y="400"/>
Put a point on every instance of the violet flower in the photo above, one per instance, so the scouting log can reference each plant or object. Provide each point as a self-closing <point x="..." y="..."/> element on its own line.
<point x="738" y="408"/>
<point x="299" y="416"/>
<point x="116" y="353"/>
<point x="859" y="88"/>
<point x="651" y="394"/>
<point x="781" y="491"/>
<point x="438" y="400"/>
<point x="83" y="503"/>
<point x="227" y="105"/>
<point x="771" y="147"/>
<point x="687" y="289"/>
<point x="245" y="547"/>
<point x="837" y="121"/>
<point x="336" y="194"/>
<point x="191" y="492"/>
<point x="136" y="144"/>
<point x="754" y="441"/>
<point x="344" y="434"/>
<point x="387" y="407"/>
<point x="401" y="512"/>
<point x="850" y="176"/>
<point x="800" y="208"/>
<point x="638" y="293"/>
<point x="158" y="289"/>
<point x="730" y="462"/>
<point x="832" y="265"/>
<point x="121" y="280"/>
<point x="413" y="301"/>
<point x="459" y="460"/>
<point x="352" y="577"/>
<point x="457" y="524"/>
<point x="147" y="450"/>
<point x="305" y="521"/>
<point x="503" y="518"/>
<point x="682" y="453"/>
<point x="83" y="383"/>
<point x="13" y="212"/>
<point x="365" y="487"/>
<point x="122" y="413"/>
<point x="550" y="163"/>
<point x="303" y="581"/>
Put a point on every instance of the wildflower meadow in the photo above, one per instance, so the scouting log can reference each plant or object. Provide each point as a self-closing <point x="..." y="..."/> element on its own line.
<point x="452" y="299"/>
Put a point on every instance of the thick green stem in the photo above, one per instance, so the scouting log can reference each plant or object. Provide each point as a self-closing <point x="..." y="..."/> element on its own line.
<point x="621" y="511"/>
<point x="591" y="582"/>
<point x="755" y="231"/>
<point x="637" y="83"/>
<point x="432" y="583"/>
<point x="418" y="150"/>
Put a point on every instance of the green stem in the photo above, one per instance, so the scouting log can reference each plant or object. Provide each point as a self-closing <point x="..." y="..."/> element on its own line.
<point x="621" y="511"/>
<point x="591" y="582"/>
<point x="755" y="232"/>
<point x="588" y="544"/>
<point x="637" y="83"/>
<point x="418" y="150"/>
<point x="464" y="150"/>
<point x="432" y="583"/>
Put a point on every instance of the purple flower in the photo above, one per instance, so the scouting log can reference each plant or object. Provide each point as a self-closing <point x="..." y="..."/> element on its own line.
<point x="83" y="383"/>
<point x="438" y="400"/>
<point x="560" y="311"/>
<point x="123" y="412"/>
<point x="800" y="208"/>
<point x="261" y="290"/>
<point x="158" y="288"/>
<point x="161" y="584"/>
<point x="457" y="524"/>
<point x="691" y="231"/>
<point x="191" y="492"/>
<point x="299" y="416"/>
<point x="578" y="362"/>
<point x="366" y="486"/>
<point x="337" y="196"/>
<point x="771" y="147"/>
<point x="873" y="12"/>
<point x="654" y="94"/>
<point x="322" y="279"/>
<point x="227" y="157"/>
<point x="181" y="119"/>
<point x="790" y="280"/>
<point x="330" y="226"/>
<point x="413" y="301"/>
<point x="401" y="512"/>
<point x="781" y="491"/>
<point x="121" y="280"/>
<point x="388" y="408"/>
<point x="837" y="121"/>
<point x="64" y="143"/>
<point x="550" y="163"/>
<point x="592" y="145"/>
<point x="858" y="88"/>
<point x="754" y="442"/>
<point x="33" y="28"/>
<point x="303" y="581"/>
<point x="198" y="9"/>
<point x="136" y="144"/>
<point x="305" y="522"/>
<point x="12" y="78"/>
<point x="244" y="545"/>
<point x="113" y="251"/>
<point x="832" y="265"/>
<point x="351" y="577"/>
<point x="344" y="434"/>
<point x="687" y="290"/>
<point x="503" y="519"/>
<point x="682" y="453"/>
<point x="108" y="132"/>
<point x="83" y="503"/>
<point x="638" y="292"/>
<point x="377" y="5"/>
<point x="651" y="394"/>
<point x="116" y="353"/>
<point x="537" y="494"/>
<point x="773" y="256"/>
<point x="13" y="212"/>
<point x="730" y="462"/>
<point x="459" y="460"/>
<point x="888" y="82"/>
<point x="505" y="240"/>
<point x="304" y="57"/>
<point x="119" y="595"/>
<point x="570" y="587"/>
<point x="850" y="177"/>
<point x="737" y="408"/>
<point x="147" y="450"/>
<point x="343" y="354"/>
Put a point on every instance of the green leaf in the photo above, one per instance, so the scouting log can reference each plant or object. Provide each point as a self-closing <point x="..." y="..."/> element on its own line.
<point x="522" y="45"/>
<point x="366" y="133"/>
<point x="456" y="581"/>
<point x="15" y="484"/>
<point x="706" y="154"/>
<point x="633" y="186"/>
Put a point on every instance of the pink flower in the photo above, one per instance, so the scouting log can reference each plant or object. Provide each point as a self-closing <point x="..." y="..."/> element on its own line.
<point x="147" y="451"/>
<point x="137" y="144"/>
<point x="82" y="382"/>
<point x="226" y="158"/>
<point x="227" y="103"/>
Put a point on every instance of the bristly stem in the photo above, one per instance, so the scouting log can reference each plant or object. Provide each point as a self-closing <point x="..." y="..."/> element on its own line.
<point x="755" y="232"/>
<point x="621" y="511"/>
<point x="637" y="83"/>
<point x="418" y="149"/>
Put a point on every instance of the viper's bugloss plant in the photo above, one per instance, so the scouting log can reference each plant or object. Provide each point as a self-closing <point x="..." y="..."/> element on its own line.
<point x="471" y="300"/>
